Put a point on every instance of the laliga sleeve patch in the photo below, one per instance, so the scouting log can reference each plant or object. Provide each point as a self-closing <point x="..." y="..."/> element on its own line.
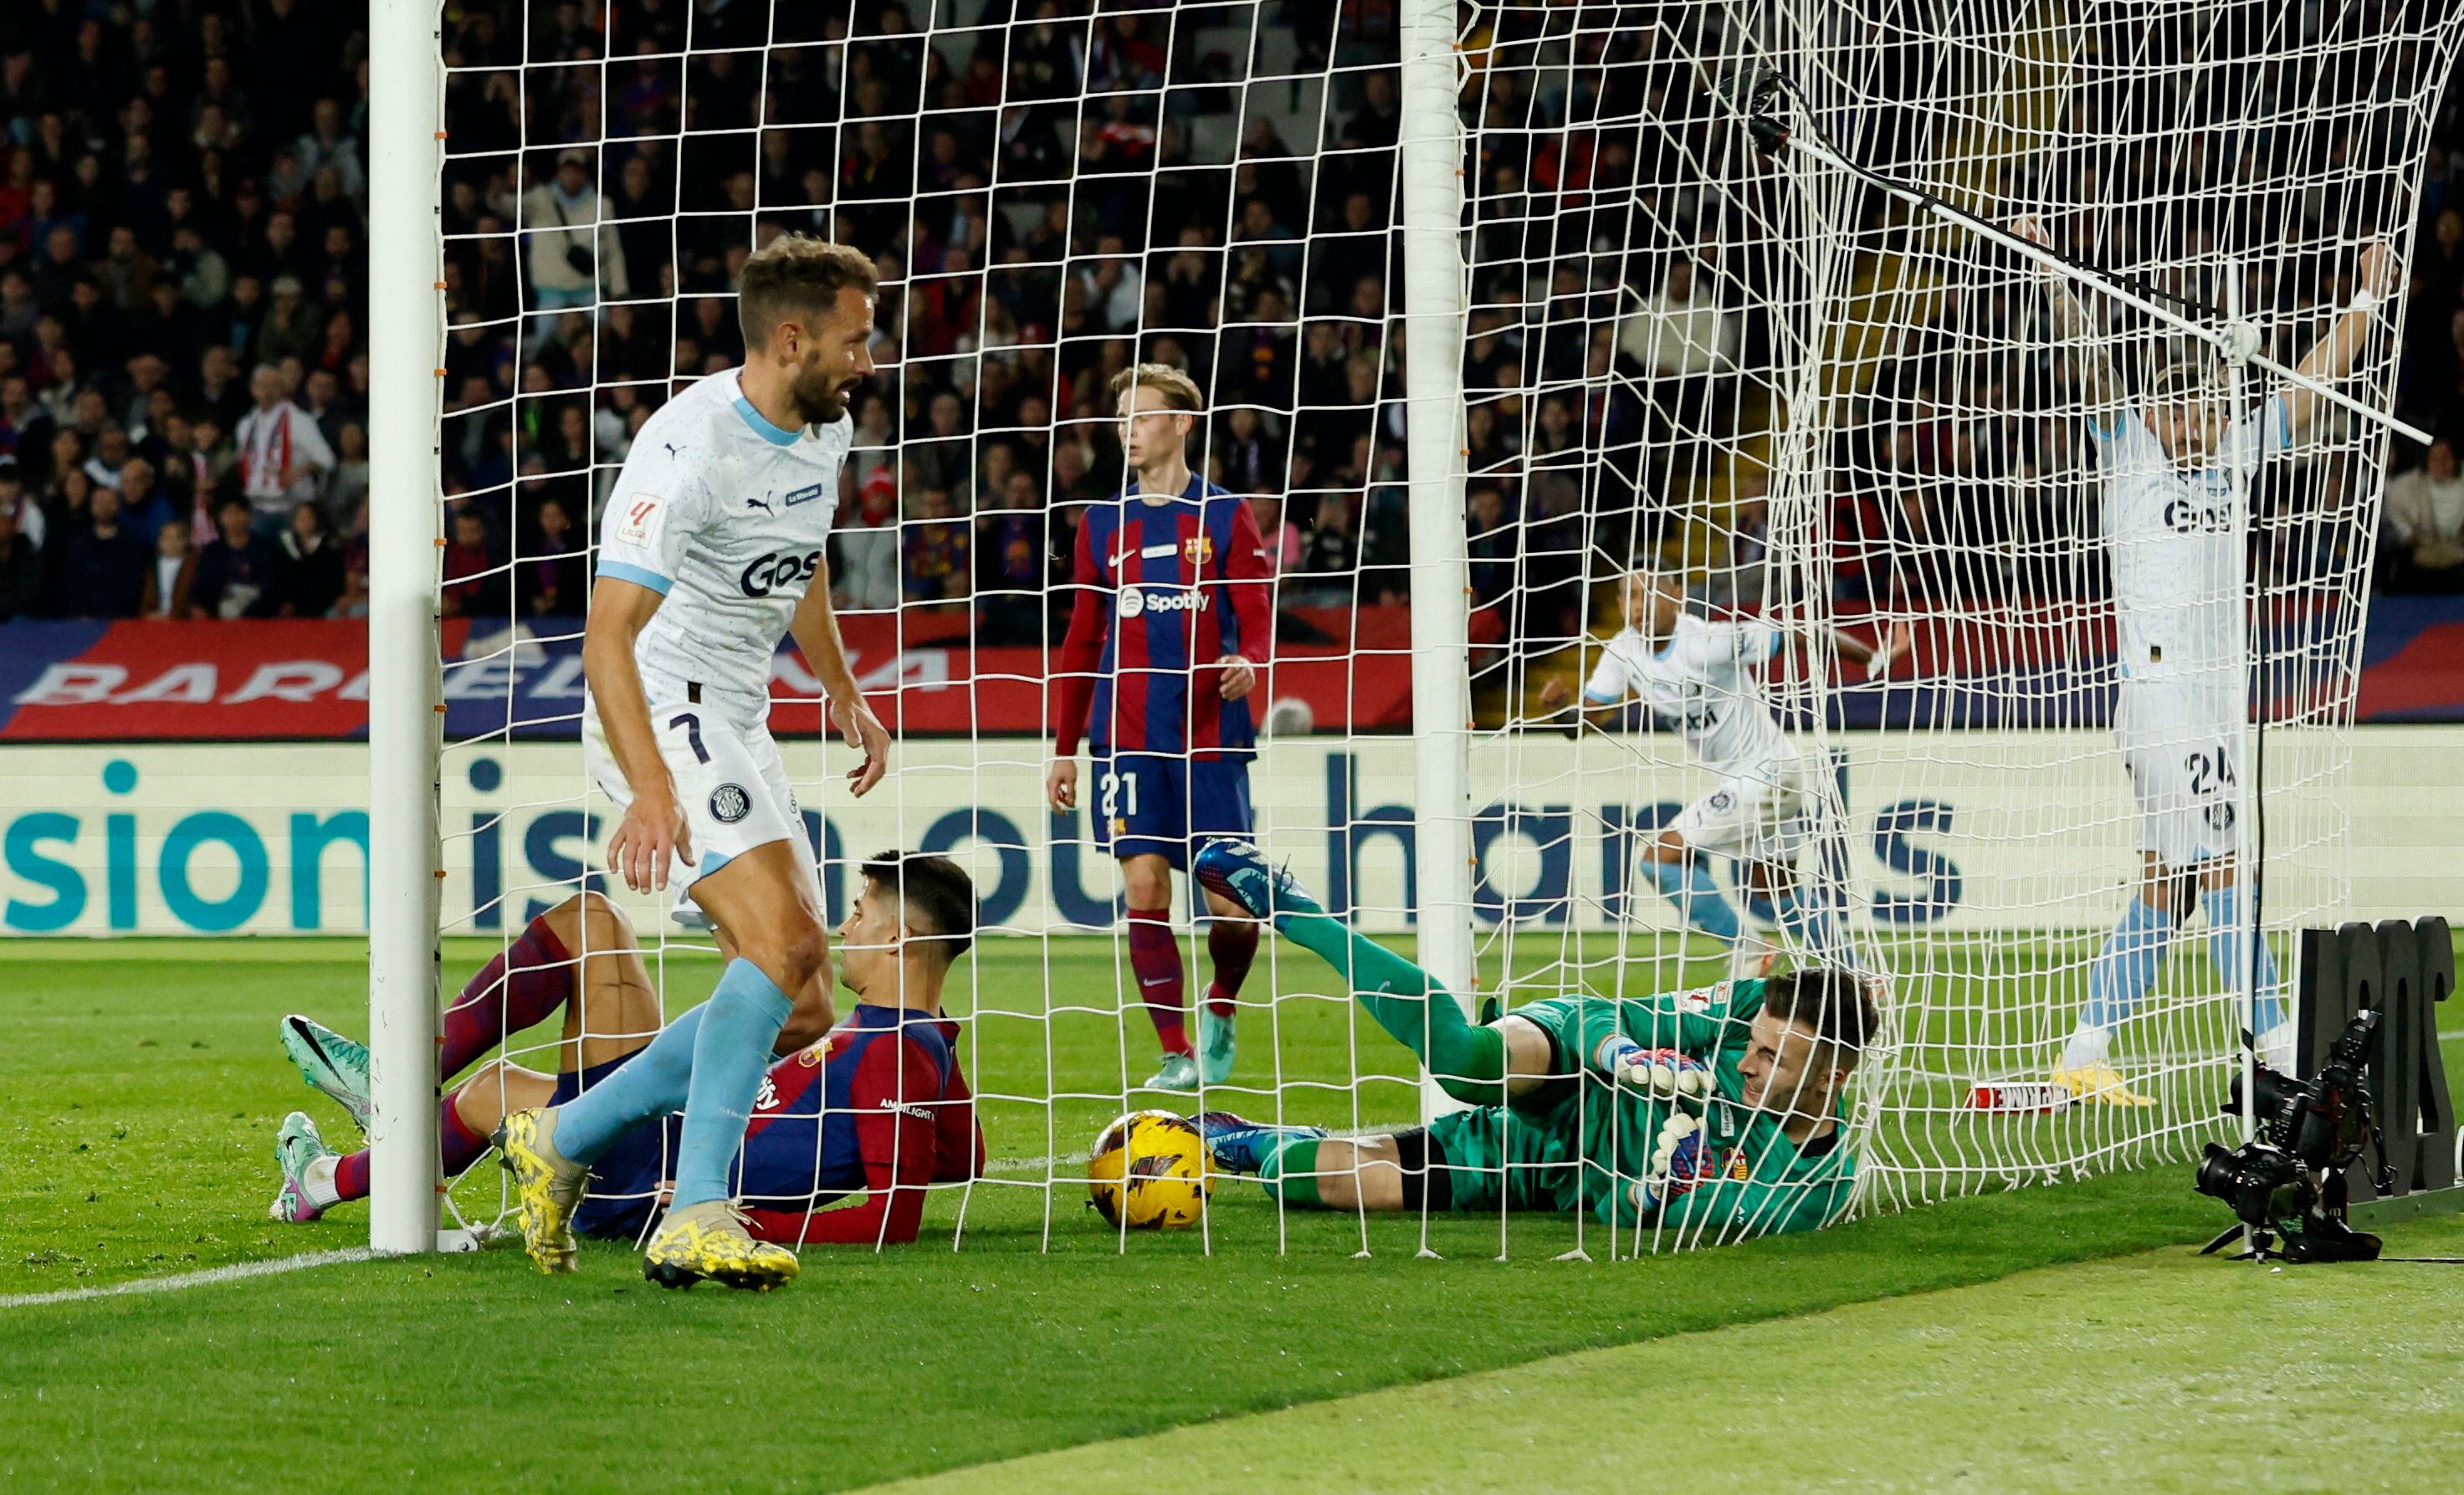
<point x="729" y="803"/>
<point x="639" y="524"/>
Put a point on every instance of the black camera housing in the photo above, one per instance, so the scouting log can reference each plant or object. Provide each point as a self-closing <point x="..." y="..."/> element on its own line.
<point x="2288" y="1181"/>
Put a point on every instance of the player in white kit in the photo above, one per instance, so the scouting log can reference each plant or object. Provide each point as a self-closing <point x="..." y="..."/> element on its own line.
<point x="1704" y="677"/>
<point x="2177" y="468"/>
<point x="712" y="547"/>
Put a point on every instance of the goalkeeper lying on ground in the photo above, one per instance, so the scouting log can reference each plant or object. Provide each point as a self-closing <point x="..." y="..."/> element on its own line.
<point x="878" y="1107"/>
<point x="1718" y="1112"/>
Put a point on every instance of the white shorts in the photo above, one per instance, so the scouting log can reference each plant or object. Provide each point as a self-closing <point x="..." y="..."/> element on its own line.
<point x="2180" y="743"/>
<point x="1758" y="818"/>
<point x="730" y="784"/>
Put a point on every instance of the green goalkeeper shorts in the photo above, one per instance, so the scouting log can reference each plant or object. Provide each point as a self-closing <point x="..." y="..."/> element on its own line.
<point x="1529" y="1154"/>
<point x="1509" y="1157"/>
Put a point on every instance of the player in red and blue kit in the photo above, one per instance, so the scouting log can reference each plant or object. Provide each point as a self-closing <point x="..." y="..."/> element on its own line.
<point x="1172" y="624"/>
<point x="878" y="1108"/>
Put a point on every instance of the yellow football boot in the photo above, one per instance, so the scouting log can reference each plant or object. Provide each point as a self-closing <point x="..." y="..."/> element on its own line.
<point x="547" y="1186"/>
<point x="709" y="1240"/>
<point x="2099" y="1085"/>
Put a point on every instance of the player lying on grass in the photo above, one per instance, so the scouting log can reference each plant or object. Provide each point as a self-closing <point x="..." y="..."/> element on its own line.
<point x="879" y="1107"/>
<point x="1714" y="1112"/>
<point x="1704" y="677"/>
<point x="2177" y="464"/>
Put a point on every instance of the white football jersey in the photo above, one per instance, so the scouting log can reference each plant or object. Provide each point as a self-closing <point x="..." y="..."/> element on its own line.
<point x="726" y="515"/>
<point x="2173" y="535"/>
<point x="1703" y="679"/>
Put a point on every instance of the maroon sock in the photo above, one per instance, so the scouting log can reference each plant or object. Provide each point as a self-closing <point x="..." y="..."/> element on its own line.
<point x="1231" y="944"/>
<point x="457" y="1147"/>
<point x="1155" y="959"/>
<point x="527" y="980"/>
<point x="351" y="1174"/>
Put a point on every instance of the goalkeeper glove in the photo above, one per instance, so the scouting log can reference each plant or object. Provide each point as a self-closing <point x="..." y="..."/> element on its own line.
<point x="1679" y="1162"/>
<point x="1661" y="1073"/>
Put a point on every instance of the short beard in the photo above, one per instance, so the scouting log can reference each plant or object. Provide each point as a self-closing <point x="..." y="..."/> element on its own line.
<point x="819" y="401"/>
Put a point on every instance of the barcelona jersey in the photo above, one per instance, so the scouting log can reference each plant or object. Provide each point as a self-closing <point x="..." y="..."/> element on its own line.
<point x="1163" y="589"/>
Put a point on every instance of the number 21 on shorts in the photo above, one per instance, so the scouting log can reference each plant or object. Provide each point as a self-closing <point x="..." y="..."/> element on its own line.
<point x="1119" y="794"/>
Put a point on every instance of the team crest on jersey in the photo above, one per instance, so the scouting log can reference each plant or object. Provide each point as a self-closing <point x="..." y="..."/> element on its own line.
<point x="1198" y="550"/>
<point x="1735" y="1165"/>
<point x="729" y="803"/>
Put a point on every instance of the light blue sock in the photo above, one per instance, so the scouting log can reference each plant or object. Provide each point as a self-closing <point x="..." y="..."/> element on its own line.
<point x="730" y="1055"/>
<point x="652" y="1083"/>
<point x="1689" y="886"/>
<point x="2228" y="946"/>
<point x="2133" y="955"/>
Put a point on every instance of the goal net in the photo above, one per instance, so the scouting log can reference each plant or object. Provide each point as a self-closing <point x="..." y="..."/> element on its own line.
<point x="1626" y="359"/>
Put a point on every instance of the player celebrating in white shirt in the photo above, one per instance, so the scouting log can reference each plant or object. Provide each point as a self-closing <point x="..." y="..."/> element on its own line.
<point x="1702" y="676"/>
<point x="713" y="546"/>
<point x="2177" y="470"/>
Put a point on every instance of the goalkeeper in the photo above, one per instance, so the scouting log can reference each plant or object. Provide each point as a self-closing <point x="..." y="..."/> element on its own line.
<point x="1714" y="1110"/>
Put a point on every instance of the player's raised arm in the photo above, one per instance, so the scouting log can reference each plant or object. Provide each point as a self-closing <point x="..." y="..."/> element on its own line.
<point x="2071" y="320"/>
<point x="654" y="826"/>
<point x="815" y="628"/>
<point x="2381" y="276"/>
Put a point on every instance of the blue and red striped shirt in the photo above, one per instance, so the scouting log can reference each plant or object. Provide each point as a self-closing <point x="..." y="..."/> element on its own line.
<point x="880" y="1106"/>
<point x="1164" y="589"/>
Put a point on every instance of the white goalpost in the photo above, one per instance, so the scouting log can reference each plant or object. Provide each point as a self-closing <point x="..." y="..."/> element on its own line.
<point x="1495" y="308"/>
<point x="406" y="334"/>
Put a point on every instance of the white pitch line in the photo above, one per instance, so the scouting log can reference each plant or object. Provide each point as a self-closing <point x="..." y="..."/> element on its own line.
<point x="182" y="1281"/>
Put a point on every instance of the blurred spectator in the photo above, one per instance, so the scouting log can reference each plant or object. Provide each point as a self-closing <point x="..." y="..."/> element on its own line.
<point x="312" y="573"/>
<point x="1282" y="536"/>
<point x="240" y="574"/>
<point x="1689" y="345"/>
<point x="21" y="567"/>
<point x="172" y="577"/>
<point x="143" y="506"/>
<point x="1014" y="565"/>
<point x="25" y="517"/>
<point x="348" y="483"/>
<point x="354" y="603"/>
<point x="867" y="574"/>
<point x="553" y="581"/>
<point x="473" y="585"/>
<point x="103" y="564"/>
<point x="936" y="550"/>
<point x="2425" y="517"/>
<point x="572" y="253"/>
<point x="1330" y="562"/>
<point x="282" y="454"/>
<point x="1492" y="542"/>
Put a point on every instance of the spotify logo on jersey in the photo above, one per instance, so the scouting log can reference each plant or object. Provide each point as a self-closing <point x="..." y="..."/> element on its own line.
<point x="1136" y="600"/>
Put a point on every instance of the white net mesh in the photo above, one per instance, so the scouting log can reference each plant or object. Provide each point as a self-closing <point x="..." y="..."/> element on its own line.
<point x="1783" y="394"/>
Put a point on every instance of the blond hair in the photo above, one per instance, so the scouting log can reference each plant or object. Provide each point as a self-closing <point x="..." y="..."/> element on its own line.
<point x="1180" y="391"/>
<point x="797" y="276"/>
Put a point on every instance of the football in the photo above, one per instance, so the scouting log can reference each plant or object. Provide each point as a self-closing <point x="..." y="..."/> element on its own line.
<point x="1148" y="1172"/>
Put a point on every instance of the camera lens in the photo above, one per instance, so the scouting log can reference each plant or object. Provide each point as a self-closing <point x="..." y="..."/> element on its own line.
<point x="2220" y="1173"/>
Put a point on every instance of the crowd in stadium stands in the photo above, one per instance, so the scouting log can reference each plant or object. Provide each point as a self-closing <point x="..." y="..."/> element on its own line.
<point x="182" y="305"/>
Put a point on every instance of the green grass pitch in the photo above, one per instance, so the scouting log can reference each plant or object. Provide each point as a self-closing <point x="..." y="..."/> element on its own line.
<point x="144" y="1083"/>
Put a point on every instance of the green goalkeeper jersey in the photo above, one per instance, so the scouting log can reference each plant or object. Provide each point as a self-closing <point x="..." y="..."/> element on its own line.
<point x="1594" y="1138"/>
